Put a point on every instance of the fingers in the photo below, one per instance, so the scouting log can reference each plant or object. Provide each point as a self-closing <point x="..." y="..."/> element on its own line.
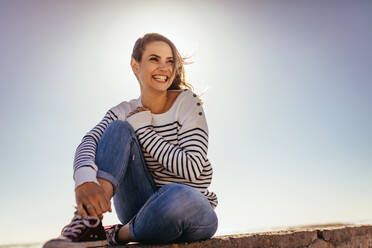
<point x="110" y="209"/>
<point x="92" y="200"/>
<point x="103" y="205"/>
<point x="81" y="210"/>
<point x="108" y="200"/>
<point x="97" y="206"/>
<point x="104" y="201"/>
<point x="87" y="209"/>
<point x="91" y="210"/>
<point x="108" y="204"/>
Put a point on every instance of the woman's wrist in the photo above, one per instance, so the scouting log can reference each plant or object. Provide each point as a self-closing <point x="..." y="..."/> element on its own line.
<point x="85" y="174"/>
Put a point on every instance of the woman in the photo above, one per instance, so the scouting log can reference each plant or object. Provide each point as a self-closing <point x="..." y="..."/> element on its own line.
<point x="150" y="155"/>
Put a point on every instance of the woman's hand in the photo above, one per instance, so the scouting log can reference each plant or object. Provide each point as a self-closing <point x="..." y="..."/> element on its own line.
<point x="92" y="200"/>
<point x="137" y="110"/>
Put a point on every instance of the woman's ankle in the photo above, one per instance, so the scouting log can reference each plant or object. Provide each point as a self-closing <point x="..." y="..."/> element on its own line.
<point x="124" y="234"/>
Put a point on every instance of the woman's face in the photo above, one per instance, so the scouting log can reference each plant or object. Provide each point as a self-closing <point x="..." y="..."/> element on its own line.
<point x="155" y="71"/>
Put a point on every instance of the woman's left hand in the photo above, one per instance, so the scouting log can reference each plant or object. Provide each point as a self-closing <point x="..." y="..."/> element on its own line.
<point x="137" y="110"/>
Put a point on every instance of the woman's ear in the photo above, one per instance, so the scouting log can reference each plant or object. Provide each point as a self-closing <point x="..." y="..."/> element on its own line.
<point x="135" y="66"/>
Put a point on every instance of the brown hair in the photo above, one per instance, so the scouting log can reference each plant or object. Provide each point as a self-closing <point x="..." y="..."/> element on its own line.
<point x="179" y="79"/>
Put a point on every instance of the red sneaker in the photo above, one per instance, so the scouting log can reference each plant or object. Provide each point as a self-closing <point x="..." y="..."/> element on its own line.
<point x="81" y="232"/>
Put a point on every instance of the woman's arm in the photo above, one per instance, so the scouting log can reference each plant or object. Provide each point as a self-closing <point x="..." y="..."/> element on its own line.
<point x="188" y="158"/>
<point x="85" y="168"/>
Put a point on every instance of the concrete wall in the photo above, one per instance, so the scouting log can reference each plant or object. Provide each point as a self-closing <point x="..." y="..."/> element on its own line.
<point x="321" y="236"/>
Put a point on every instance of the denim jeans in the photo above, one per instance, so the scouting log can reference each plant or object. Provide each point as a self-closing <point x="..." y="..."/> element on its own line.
<point x="171" y="213"/>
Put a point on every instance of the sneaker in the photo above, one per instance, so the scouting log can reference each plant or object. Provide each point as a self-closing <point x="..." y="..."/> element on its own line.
<point x="112" y="234"/>
<point x="81" y="232"/>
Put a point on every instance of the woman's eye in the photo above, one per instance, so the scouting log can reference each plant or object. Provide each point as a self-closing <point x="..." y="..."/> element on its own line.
<point x="171" y="61"/>
<point x="153" y="58"/>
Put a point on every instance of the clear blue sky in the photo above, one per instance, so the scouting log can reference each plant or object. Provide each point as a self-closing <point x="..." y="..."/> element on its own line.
<point x="288" y="103"/>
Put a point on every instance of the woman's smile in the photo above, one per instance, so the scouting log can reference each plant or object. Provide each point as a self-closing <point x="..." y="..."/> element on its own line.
<point x="160" y="78"/>
<point x="156" y="67"/>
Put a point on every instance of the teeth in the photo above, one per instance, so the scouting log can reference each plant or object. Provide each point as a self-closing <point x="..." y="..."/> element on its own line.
<point x="161" y="78"/>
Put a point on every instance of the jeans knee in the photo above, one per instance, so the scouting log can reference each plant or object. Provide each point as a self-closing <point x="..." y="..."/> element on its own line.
<point x="116" y="135"/>
<point x="118" y="129"/>
<point x="120" y="126"/>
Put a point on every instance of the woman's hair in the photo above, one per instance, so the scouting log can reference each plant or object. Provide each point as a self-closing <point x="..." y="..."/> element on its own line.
<point x="179" y="79"/>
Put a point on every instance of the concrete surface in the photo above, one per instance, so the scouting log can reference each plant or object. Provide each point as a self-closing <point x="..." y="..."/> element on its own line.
<point x="311" y="236"/>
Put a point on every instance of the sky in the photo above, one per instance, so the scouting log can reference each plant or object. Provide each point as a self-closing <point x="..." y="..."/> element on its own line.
<point x="287" y="91"/>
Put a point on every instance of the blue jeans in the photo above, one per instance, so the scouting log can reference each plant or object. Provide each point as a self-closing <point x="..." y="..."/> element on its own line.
<point x="172" y="213"/>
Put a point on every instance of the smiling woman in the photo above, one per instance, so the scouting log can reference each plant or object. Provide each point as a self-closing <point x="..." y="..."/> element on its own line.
<point x="155" y="73"/>
<point x="155" y="43"/>
<point x="150" y="155"/>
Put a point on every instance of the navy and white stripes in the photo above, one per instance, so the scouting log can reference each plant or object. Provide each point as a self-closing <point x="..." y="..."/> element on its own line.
<point x="179" y="158"/>
<point x="86" y="151"/>
<point x="185" y="160"/>
<point x="174" y="144"/>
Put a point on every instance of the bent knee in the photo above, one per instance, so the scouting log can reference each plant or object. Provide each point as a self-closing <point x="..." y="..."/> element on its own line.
<point x="117" y="135"/>
<point x="119" y="128"/>
<point x="119" y="124"/>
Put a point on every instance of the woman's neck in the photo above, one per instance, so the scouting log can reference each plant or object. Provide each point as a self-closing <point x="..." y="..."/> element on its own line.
<point x="156" y="102"/>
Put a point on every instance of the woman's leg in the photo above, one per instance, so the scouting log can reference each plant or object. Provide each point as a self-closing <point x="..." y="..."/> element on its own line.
<point x="120" y="161"/>
<point x="175" y="213"/>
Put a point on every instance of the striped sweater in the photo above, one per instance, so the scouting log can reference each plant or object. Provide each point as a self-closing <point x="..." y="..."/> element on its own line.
<point x="174" y="144"/>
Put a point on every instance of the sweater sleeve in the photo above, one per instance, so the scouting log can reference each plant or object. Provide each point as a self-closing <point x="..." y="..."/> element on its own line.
<point x="85" y="168"/>
<point x="188" y="158"/>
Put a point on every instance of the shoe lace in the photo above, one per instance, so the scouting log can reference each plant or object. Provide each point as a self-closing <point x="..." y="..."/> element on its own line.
<point x="111" y="234"/>
<point x="78" y="224"/>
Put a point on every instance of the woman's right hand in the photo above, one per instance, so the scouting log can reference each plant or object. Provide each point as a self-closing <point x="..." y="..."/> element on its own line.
<point x="92" y="200"/>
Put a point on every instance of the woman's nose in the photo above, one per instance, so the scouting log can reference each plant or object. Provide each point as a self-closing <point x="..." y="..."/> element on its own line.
<point x="164" y="65"/>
